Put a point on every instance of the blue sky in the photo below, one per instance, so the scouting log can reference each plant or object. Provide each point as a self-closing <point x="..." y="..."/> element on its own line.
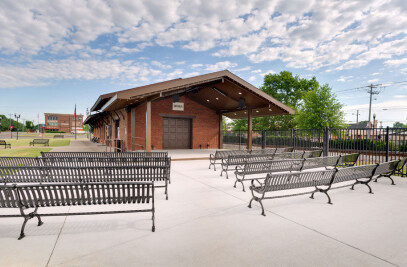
<point x="54" y="54"/>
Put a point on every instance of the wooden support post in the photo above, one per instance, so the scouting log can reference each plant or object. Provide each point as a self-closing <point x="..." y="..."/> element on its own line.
<point x="148" y="127"/>
<point x="249" y="129"/>
<point x="220" y="132"/>
<point x="133" y="128"/>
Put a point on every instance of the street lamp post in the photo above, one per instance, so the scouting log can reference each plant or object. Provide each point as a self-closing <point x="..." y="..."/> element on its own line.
<point x="0" y="124"/>
<point x="17" y="116"/>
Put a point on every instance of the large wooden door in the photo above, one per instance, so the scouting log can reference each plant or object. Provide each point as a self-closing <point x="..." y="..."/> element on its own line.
<point x="177" y="133"/>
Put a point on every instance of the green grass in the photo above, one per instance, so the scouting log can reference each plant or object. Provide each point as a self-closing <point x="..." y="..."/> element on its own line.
<point x="26" y="142"/>
<point x="23" y="152"/>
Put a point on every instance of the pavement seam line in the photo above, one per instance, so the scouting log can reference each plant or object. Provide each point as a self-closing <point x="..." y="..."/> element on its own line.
<point x="299" y="224"/>
<point x="56" y="241"/>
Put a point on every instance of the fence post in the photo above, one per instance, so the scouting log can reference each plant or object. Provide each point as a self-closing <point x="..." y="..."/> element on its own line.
<point x="325" y="139"/>
<point x="387" y="143"/>
<point x="293" y="138"/>
<point x="240" y="139"/>
<point x="263" y="139"/>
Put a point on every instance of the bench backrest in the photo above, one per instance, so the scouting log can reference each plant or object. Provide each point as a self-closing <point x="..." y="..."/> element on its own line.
<point x="312" y="163"/>
<point x="105" y="154"/>
<point x="312" y="154"/>
<point x="270" y="166"/>
<point x="223" y="154"/>
<point x="3" y="142"/>
<point x="387" y="168"/>
<point x="266" y="151"/>
<point x="276" y="182"/>
<point x="41" y="141"/>
<point x="20" y="161"/>
<point x="47" y="195"/>
<point x="284" y="149"/>
<point x="353" y="173"/>
<point x="103" y="162"/>
<point x="289" y="155"/>
<point x="242" y="159"/>
<point x="82" y="174"/>
<point x="348" y="160"/>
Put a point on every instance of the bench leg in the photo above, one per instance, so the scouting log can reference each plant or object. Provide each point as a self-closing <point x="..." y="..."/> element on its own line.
<point x="365" y="183"/>
<point x="241" y="183"/>
<point x="325" y="191"/>
<point x="392" y="181"/>
<point x="28" y="217"/>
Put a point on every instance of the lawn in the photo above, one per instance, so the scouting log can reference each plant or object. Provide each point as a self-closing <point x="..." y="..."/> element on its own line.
<point x="23" y="152"/>
<point x="26" y="142"/>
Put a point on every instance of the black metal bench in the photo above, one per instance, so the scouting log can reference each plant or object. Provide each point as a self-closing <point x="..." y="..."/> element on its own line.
<point x="323" y="181"/>
<point x="266" y="151"/>
<point x="250" y="170"/>
<point x="383" y="172"/>
<point x="234" y="160"/>
<point x="37" y="196"/>
<point x="20" y="161"/>
<point x="4" y="143"/>
<point x="44" y="142"/>
<point x="59" y="136"/>
<point x="223" y="154"/>
<point x="58" y="174"/>
<point x="284" y="149"/>
<point x="104" y="154"/>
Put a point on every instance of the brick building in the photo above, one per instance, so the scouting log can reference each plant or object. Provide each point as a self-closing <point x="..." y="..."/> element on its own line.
<point x="180" y="113"/>
<point x="62" y="122"/>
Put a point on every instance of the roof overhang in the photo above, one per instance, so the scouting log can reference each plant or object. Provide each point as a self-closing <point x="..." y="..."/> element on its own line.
<point x="222" y="91"/>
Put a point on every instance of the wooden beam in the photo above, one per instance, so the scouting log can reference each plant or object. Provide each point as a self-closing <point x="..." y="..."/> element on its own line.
<point x="220" y="132"/>
<point x="249" y="129"/>
<point x="148" y="127"/>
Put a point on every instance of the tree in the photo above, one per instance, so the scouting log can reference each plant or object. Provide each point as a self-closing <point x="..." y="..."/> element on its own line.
<point x="289" y="90"/>
<point x="320" y="109"/>
<point x="398" y="124"/>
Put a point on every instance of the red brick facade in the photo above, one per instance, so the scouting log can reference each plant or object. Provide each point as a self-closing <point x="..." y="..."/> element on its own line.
<point x="205" y="124"/>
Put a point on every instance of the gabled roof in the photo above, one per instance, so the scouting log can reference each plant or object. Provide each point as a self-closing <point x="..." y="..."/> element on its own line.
<point x="220" y="91"/>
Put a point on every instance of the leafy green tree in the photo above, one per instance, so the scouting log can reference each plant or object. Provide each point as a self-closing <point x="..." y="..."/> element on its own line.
<point x="288" y="89"/>
<point x="398" y="124"/>
<point x="320" y="109"/>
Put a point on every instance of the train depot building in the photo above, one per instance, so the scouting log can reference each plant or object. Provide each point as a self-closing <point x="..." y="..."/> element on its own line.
<point x="179" y="114"/>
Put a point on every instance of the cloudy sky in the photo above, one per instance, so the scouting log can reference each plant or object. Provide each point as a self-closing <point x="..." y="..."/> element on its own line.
<point x="54" y="54"/>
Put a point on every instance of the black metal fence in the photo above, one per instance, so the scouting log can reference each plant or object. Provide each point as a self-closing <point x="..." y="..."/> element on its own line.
<point x="375" y="145"/>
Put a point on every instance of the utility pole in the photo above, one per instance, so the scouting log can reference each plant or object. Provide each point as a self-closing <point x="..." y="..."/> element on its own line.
<point x="371" y="92"/>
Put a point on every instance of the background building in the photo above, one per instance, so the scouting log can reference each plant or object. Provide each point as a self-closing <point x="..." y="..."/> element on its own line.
<point x="62" y="122"/>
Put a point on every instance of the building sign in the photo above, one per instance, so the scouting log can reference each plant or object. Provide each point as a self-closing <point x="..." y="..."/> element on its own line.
<point x="178" y="106"/>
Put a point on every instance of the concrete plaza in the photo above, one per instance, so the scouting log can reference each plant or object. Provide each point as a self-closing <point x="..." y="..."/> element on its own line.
<point x="206" y="222"/>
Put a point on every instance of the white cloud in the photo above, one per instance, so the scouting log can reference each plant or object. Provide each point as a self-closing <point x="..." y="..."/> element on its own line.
<point x="40" y="72"/>
<point x="344" y="78"/>
<point x="372" y="81"/>
<point x="400" y="96"/>
<point x="396" y="62"/>
<point x="160" y="65"/>
<point x="339" y="35"/>
<point x="222" y="65"/>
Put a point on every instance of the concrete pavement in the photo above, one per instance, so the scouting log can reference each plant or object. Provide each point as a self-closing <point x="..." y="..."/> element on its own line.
<point x="206" y="222"/>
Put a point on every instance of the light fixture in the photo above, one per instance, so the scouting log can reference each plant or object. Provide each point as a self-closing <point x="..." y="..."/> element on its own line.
<point x="245" y="112"/>
<point x="207" y="100"/>
<point x="175" y="98"/>
<point x="235" y="113"/>
<point x="257" y="111"/>
<point x="269" y="109"/>
<point x="240" y="93"/>
<point x="241" y="104"/>
<point x="217" y="98"/>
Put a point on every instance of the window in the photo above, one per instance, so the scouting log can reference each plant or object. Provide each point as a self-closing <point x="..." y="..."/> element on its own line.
<point x="52" y="123"/>
<point x="52" y="118"/>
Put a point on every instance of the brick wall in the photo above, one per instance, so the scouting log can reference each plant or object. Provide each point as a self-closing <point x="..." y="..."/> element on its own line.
<point x="205" y="125"/>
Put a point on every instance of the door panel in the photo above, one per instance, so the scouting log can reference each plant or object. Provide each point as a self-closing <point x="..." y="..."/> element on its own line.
<point x="176" y="133"/>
